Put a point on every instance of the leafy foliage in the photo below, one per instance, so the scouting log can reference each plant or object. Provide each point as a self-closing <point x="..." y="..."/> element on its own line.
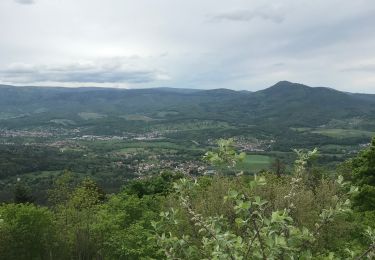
<point x="22" y="193"/>
<point x="266" y="216"/>
<point x="225" y="155"/>
<point x="363" y="167"/>
<point x="252" y="231"/>
<point x="27" y="232"/>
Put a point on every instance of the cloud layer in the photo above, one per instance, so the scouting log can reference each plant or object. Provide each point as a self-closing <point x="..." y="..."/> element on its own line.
<point x="247" y="15"/>
<point x="79" y="73"/>
<point x="25" y="2"/>
<point x="238" y="44"/>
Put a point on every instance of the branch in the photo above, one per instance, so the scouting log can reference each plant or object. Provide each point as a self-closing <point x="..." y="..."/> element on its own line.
<point x="372" y="247"/>
<point x="197" y="217"/>
<point x="259" y="239"/>
<point x="252" y="241"/>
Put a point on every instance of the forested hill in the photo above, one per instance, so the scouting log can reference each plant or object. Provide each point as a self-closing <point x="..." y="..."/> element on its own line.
<point x="285" y="103"/>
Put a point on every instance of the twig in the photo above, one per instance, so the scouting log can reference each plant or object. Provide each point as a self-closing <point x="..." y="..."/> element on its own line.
<point x="259" y="238"/>
<point x="372" y="247"/>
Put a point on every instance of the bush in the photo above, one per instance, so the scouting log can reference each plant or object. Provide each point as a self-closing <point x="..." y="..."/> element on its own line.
<point x="27" y="232"/>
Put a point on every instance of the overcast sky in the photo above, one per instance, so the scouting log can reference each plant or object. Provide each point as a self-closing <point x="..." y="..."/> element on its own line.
<point x="249" y="44"/>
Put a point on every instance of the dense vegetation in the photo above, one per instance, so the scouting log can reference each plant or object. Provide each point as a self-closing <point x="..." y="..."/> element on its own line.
<point x="118" y="174"/>
<point x="267" y="112"/>
<point x="303" y="215"/>
<point x="113" y="135"/>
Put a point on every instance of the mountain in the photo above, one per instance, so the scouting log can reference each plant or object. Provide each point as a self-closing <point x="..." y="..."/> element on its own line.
<point x="302" y="105"/>
<point x="285" y="104"/>
<point x="367" y="97"/>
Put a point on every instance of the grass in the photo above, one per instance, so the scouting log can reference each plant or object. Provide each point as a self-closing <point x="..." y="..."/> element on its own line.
<point x="193" y="125"/>
<point x="343" y="133"/>
<point x="89" y="115"/>
<point x="126" y="147"/>
<point x="64" y="122"/>
<point x="166" y="113"/>
<point x="335" y="149"/>
<point x="131" y="150"/>
<point x="300" y="129"/>
<point x="336" y="132"/>
<point x="255" y="163"/>
<point x="148" y="145"/>
<point x="137" y="118"/>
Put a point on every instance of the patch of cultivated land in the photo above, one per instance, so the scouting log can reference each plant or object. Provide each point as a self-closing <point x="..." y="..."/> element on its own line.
<point x="336" y="132"/>
<point x="64" y="122"/>
<point x="161" y="145"/>
<point x="166" y="113"/>
<point x="192" y="125"/>
<point x="90" y="115"/>
<point x="255" y="162"/>
<point x="129" y="150"/>
<point x="343" y="133"/>
<point x="138" y="118"/>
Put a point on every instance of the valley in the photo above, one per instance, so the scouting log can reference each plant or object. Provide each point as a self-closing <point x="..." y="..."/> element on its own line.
<point x="114" y="136"/>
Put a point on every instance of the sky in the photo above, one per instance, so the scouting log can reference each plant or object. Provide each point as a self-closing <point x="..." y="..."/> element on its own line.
<point x="205" y="44"/>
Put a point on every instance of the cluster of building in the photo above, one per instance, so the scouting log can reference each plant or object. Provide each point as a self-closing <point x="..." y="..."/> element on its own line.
<point x="253" y="145"/>
<point x="144" y="167"/>
<point x="24" y="133"/>
<point x="148" y="136"/>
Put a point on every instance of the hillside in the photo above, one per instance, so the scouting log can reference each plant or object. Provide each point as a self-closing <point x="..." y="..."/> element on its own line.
<point x="296" y="104"/>
<point x="126" y="133"/>
<point x="284" y="103"/>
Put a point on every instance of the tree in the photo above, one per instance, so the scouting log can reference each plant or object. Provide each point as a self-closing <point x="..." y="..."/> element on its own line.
<point x="75" y="211"/>
<point x="256" y="231"/>
<point x="61" y="190"/>
<point x="22" y="193"/>
<point x="27" y="232"/>
<point x="160" y="184"/>
<point x="123" y="227"/>
<point x="363" y="174"/>
<point x="279" y="167"/>
<point x="225" y="156"/>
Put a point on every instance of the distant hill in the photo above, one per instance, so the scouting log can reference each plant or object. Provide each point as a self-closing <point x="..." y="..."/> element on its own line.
<point x="285" y="104"/>
<point x="297" y="104"/>
<point x="368" y="97"/>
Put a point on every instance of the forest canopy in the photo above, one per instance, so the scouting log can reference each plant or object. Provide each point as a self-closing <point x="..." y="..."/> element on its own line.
<point x="305" y="214"/>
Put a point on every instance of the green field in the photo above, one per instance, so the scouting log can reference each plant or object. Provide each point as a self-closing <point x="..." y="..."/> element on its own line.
<point x="131" y="150"/>
<point x="89" y="115"/>
<point x="343" y="133"/>
<point x="128" y="147"/>
<point x="63" y="122"/>
<point x="255" y="163"/>
<point x="336" y="132"/>
<point x="166" y="113"/>
<point x="162" y="145"/>
<point x="137" y="118"/>
<point x="192" y="125"/>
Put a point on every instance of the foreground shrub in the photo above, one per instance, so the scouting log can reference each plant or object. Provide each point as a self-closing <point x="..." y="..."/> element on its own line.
<point x="27" y="232"/>
<point x="252" y="227"/>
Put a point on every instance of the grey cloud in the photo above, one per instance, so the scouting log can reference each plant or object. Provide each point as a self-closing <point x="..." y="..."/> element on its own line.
<point x="313" y="39"/>
<point x="25" y="2"/>
<point x="234" y="44"/>
<point x="78" y="74"/>
<point x="249" y="15"/>
<point x="370" y="68"/>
